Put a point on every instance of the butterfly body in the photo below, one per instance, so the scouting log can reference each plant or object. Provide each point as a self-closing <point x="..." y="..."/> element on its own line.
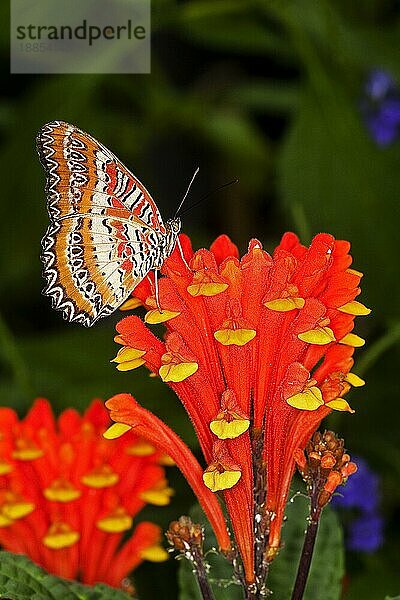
<point x="105" y="231"/>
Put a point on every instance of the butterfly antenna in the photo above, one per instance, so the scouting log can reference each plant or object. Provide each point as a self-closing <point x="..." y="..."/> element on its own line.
<point x="186" y="193"/>
<point x="221" y="187"/>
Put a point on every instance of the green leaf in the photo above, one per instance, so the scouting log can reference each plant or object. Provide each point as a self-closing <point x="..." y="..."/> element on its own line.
<point x="262" y="96"/>
<point x="392" y="598"/>
<point x="326" y="570"/>
<point x="221" y="572"/>
<point x="345" y="184"/>
<point x="327" y="567"/>
<point x="21" y="579"/>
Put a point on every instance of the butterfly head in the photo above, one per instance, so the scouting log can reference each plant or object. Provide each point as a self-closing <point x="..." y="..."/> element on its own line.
<point x="173" y="227"/>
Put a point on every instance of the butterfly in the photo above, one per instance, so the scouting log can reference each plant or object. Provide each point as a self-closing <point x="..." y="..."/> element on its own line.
<point x="105" y="231"/>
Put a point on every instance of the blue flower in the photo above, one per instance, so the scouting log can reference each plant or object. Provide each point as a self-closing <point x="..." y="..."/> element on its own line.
<point x="362" y="493"/>
<point x="361" y="490"/>
<point x="365" y="534"/>
<point x="381" y="107"/>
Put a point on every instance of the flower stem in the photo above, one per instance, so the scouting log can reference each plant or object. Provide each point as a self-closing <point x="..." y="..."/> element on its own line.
<point x="305" y="558"/>
<point x="201" y="574"/>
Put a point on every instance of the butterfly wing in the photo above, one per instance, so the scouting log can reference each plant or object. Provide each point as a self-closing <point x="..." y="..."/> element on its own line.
<point x="105" y="227"/>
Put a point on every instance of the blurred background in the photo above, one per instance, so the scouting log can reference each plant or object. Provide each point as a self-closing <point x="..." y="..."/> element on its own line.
<point x="300" y="101"/>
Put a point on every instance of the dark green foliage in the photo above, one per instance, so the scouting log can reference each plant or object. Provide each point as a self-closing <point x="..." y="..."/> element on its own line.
<point x="326" y="572"/>
<point x="327" y="568"/>
<point x="21" y="579"/>
<point x="221" y="572"/>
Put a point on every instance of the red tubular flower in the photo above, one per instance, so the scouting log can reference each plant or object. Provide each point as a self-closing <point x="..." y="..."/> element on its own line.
<point x="68" y="497"/>
<point x="259" y="350"/>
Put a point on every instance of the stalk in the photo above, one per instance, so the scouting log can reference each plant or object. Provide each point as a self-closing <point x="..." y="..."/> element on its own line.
<point x="306" y="557"/>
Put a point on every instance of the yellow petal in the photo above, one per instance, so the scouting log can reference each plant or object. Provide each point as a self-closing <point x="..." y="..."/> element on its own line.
<point x="319" y="336"/>
<point x="354" y="272"/>
<point x="177" y="372"/>
<point x="130" y="365"/>
<point x="102" y="478"/>
<point x="4" y="521"/>
<point x="17" y="510"/>
<point x="131" y="304"/>
<point x="141" y="448"/>
<point x="155" y="316"/>
<point x="157" y="497"/>
<point x="61" y="493"/>
<point x="127" y="354"/>
<point x="154" y="554"/>
<point x="206" y="289"/>
<point x="166" y="461"/>
<point x="285" y="304"/>
<point x="237" y="337"/>
<point x="351" y="339"/>
<point x="115" y="523"/>
<point x="27" y="453"/>
<point x="340" y="404"/>
<point x="63" y="539"/>
<point x="5" y="467"/>
<point x="355" y="308"/>
<point x="310" y="399"/>
<point x="225" y="430"/>
<point x="116" y="430"/>
<point x="354" y="380"/>
<point x="216" y="481"/>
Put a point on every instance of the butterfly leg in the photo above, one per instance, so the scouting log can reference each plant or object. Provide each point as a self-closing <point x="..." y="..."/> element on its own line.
<point x="178" y="243"/>
<point x="156" y="290"/>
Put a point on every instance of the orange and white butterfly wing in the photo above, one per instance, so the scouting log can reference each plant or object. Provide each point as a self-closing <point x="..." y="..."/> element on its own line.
<point x="105" y="228"/>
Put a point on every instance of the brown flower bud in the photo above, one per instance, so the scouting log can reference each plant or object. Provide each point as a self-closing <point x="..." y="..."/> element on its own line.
<point x="184" y="534"/>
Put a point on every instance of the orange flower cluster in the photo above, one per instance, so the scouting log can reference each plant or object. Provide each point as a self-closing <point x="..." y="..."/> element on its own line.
<point x="68" y="497"/>
<point x="259" y="350"/>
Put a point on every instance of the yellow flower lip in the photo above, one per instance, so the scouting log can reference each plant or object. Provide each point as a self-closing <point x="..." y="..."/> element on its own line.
<point x="209" y="288"/>
<point x="129" y="358"/>
<point x="5" y="467"/>
<point x="27" y="453"/>
<point x="166" y="461"/>
<point x="230" y="422"/>
<point x="354" y="308"/>
<point x="354" y="380"/>
<point x="285" y="304"/>
<point x="130" y="365"/>
<point x="341" y="405"/>
<point x="177" y="372"/>
<point x="318" y="336"/>
<point x="140" y="448"/>
<point x="154" y="553"/>
<point x="234" y="337"/>
<point x="153" y="317"/>
<point x="116" y="430"/>
<point x="131" y="304"/>
<point x="127" y="354"/>
<point x="61" y="491"/>
<point x="217" y="481"/>
<point x="354" y="272"/>
<point x="117" y="522"/>
<point x="101" y="477"/>
<point x="17" y="510"/>
<point x="4" y="521"/>
<point x="231" y="429"/>
<point x="60" y="535"/>
<point x="309" y="399"/>
<point x="351" y="339"/>
<point x="159" y="495"/>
